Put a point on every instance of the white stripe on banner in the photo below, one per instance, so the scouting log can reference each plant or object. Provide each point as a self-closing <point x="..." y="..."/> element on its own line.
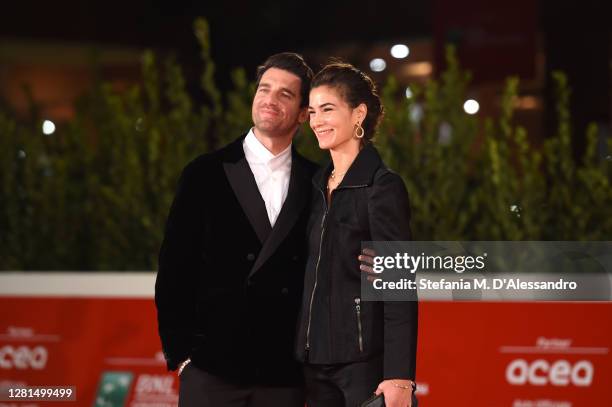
<point x="78" y="284"/>
<point x="559" y="350"/>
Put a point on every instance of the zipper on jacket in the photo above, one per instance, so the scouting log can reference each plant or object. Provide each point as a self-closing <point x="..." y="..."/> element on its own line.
<point x="314" y="287"/>
<point x="358" y="311"/>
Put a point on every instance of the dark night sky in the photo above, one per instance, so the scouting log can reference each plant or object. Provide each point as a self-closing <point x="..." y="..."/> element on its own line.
<point x="243" y="32"/>
<point x="576" y="32"/>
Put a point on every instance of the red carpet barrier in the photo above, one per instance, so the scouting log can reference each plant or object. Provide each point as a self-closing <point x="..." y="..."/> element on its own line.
<point x="470" y="354"/>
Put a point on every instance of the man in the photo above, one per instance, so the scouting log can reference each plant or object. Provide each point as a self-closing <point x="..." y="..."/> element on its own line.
<point x="232" y="261"/>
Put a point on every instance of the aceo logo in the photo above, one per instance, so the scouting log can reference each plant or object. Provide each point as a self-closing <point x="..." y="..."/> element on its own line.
<point x="540" y="373"/>
<point x="23" y="357"/>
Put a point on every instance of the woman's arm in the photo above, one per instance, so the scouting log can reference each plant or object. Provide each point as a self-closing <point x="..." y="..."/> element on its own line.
<point x="389" y="215"/>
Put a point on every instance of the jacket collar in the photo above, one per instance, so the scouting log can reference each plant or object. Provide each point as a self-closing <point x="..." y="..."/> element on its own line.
<point x="245" y="189"/>
<point x="234" y="151"/>
<point x="360" y="173"/>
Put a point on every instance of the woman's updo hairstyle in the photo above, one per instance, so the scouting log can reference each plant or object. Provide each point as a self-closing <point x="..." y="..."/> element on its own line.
<point x="355" y="87"/>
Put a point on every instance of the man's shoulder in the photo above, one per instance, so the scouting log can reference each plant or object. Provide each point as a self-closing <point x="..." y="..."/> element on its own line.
<point x="309" y="166"/>
<point x="203" y="162"/>
<point x="209" y="160"/>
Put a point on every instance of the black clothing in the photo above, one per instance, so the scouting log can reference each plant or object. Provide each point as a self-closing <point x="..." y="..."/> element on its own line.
<point x="342" y="385"/>
<point x="198" y="388"/>
<point x="370" y="204"/>
<point x="229" y="285"/>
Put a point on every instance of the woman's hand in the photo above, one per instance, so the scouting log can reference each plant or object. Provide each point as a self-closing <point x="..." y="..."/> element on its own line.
<point x="398" y="392"/>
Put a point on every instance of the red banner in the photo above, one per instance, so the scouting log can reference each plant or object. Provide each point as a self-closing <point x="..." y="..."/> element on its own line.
<point x="107" y="347"/>
<point x="470" y="354"/>
<point x="515" y="354"/>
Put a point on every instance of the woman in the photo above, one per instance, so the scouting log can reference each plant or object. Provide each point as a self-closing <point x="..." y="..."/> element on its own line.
<point x="351" y="349"/>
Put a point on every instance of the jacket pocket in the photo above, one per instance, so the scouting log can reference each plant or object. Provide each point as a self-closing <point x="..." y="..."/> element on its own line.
<point x="359" y="330"/>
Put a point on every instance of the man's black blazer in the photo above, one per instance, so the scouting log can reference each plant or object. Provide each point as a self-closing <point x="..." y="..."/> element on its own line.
<point x="229" y="285"/>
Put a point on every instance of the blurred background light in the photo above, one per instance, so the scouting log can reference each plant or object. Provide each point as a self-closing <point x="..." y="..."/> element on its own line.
<point x="416" y="113"/>
<point x="408" y="92"/>
<point x="418" y="69"/>
<point x="471" y="106"/>
<point x="378" y="65"/>
<point x="445" y="133"/>
<point x="527" y="103"/>
<point x="400" y="51"/>
<point x="48" y="127"/>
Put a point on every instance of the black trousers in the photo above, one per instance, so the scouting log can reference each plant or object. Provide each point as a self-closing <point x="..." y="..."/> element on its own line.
<point x="198" y="388"/>
<point x="343" y="385"/>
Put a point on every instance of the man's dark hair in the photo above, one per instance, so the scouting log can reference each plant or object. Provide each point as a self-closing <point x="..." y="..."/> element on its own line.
<point x="290" y="62"/>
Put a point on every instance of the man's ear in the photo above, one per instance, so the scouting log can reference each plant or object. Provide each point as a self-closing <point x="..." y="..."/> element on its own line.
<point x="303" y="115"/>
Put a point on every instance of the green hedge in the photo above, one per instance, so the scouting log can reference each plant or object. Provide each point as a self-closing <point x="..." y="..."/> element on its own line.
<point x="95" y="194"/>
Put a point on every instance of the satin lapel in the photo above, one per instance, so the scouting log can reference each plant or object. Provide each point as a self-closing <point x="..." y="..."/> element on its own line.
<point x="245" y="188"/>
<point x="297" y="194"/>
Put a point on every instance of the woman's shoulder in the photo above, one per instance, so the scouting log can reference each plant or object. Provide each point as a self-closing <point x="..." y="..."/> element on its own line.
<point x="386" y="177"/>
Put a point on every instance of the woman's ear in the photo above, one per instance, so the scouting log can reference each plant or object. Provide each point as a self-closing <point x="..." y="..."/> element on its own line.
<point x="361" y="111"/>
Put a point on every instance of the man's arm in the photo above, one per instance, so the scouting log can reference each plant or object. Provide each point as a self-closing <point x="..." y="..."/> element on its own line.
<point x="175" y="295"/>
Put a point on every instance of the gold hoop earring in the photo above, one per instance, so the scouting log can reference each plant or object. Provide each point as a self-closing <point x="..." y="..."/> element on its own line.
<point x="359" y="131"/>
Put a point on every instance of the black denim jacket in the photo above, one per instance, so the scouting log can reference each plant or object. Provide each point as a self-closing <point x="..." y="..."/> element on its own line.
<point x="335" y="326"/>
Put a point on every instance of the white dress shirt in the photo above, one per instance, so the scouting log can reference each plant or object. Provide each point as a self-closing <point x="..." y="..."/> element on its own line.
<point x="272" y="173"/>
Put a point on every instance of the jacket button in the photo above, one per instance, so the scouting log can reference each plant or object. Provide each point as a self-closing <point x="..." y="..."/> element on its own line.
<point x="285" y="291"/>
<point x="250" y="257"/>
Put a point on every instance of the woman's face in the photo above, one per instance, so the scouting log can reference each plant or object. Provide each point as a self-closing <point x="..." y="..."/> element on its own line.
<point x="332" y="119"/>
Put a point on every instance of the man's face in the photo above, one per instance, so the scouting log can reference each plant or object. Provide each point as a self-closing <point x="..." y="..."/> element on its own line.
<point x="276" y="106"/>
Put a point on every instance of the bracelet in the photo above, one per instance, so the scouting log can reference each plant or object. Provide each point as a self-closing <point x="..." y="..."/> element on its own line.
<point x="183" y="365"/>
<point x="411" y="386"/>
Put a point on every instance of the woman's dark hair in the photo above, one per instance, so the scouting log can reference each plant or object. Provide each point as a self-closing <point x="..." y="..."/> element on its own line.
<point x="290" y="62"/>
<point x="355" y="87"/>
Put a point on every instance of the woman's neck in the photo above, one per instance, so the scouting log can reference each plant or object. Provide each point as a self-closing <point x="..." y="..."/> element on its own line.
<point x="343" y="155"/>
